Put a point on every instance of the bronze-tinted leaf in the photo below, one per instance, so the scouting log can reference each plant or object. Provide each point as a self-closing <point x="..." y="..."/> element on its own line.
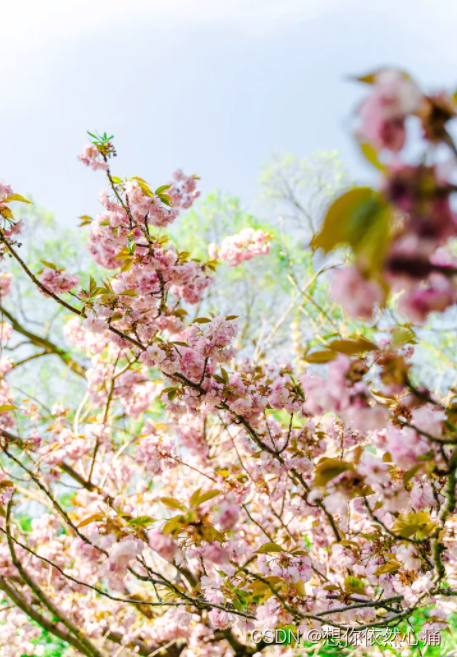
<point x="319" y="357"/>
<point x="328" y="469"/>
<point x="266" y="548"/>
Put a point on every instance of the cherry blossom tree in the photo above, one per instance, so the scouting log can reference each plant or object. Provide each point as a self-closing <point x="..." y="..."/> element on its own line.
<point x="197" y="491"/>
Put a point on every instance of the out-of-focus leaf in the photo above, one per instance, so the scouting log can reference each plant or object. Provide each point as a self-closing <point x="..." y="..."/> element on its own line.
<point x="199" y="498"/>
<point x="360" y="219"/>
<point x="266" y="548"/>
<point x="328" y="469"/>
<point x="418" y="523"/>
<point x="371" y="156"/>
<point x="95" y="517"/>
<point x="412" y="472"/>
<point x="351" y="347"/>
<point x="141" y="521"/>
<point x="171" y="503"/>
<point x="318" y="357"/>
<point x="50" y="265"/>
<point x="201" y="320"/>
<point x="7" y="407"/>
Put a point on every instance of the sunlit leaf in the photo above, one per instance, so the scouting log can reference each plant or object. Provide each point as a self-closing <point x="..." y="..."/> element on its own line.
<point x="171" y="503"/>
<point x="161" y="189"/>
<point x="266" y="548"/>
<point x="197" y="500"/>
<point x="389" y="567"/>
<point x="4" y="408"/>
<point x="16" y="197"/>
<point x="95" y="517"/>
<point x="371" y="156"/>
<point x="50" y="265"/>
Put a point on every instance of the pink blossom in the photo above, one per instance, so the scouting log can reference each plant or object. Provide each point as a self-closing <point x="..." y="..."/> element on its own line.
<point x="393" y="98"/>
<point x="122" y="553"/>
<point x="215" y="553"/>
<point x="6" y="331"/>
<point x="5" y="283"/>
<point x="58" y="281"/>
<point x="95" y="325"/>
<point x="436" y="297"/>
<point x="336" y="503"/>
<point x="228" y="514"/>
<point x="220" y="620"/>
<point x="356" y="294"/>
<point x="91" y="156"/>
<point x="248" y="244"/>
<point x="5" y="190"/>
<point x="163" y="545"/>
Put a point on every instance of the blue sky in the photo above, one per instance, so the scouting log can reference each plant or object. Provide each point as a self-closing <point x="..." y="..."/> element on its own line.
<point x="213" y="86"/>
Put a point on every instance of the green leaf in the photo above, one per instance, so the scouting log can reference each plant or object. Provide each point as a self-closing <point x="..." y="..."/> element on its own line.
<point x="7" y="407"/>
<point x="171" y="503"/>
<point x="161" y="189"/>
<point x="412" y="523"/>
<point x="51" y="265"/>
<point x="354" y="585"/>
<point x="175" y="524"/>
<point x="266" y="548"/>
<point x="359" y="218"/>
<point x="166" y="199"/>
<point x="141" y="521"/>
<point x="198" y="499"/>
<point x="116" y="180"/>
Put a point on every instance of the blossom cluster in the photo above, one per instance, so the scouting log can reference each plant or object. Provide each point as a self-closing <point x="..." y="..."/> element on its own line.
<point x="248" y="244"/>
